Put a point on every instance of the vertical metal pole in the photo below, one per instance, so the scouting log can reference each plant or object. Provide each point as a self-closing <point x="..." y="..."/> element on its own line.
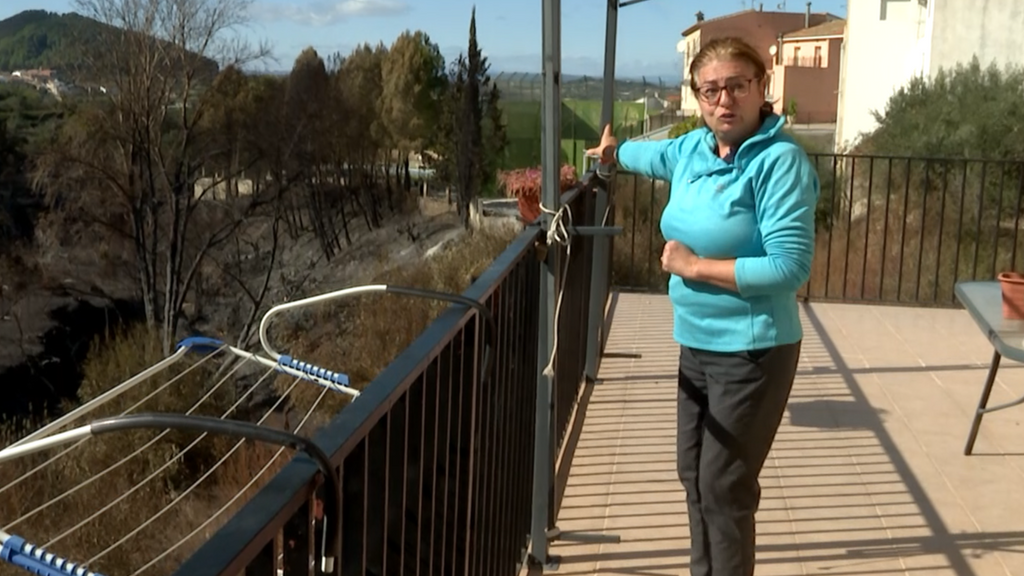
<point x="551" y="108"/>
<point x="611" y="28"/>
<point x="600" y="277"/>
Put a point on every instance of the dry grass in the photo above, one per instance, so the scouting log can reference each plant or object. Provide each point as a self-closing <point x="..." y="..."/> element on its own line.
<point x="361" y="335"/>
<point x="359" y="338"/>
<point x="138" y="488"/>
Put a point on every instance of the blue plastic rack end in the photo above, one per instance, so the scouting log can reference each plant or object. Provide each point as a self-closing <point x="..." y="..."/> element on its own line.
<point x="307" y="368"/>
<point x="38" y="561"/>
<point x="201" y="344"/>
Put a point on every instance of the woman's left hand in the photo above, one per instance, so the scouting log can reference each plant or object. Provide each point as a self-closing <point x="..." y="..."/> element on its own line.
<point x="678" y="259"/>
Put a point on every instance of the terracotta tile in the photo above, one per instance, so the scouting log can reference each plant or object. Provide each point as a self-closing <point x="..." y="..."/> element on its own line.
<point x="866" y="476"/>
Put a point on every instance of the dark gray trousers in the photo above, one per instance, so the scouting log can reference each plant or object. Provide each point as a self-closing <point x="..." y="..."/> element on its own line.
<point x="730" y="407"/>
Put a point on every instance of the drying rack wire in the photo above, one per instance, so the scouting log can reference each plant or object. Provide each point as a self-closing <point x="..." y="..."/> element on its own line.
<point x="16" y="550"/>
<point x="293" y="363"/>
<point x="36" y="559"/>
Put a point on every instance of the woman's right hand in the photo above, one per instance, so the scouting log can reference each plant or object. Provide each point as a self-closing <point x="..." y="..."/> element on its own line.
<point x="605" y="151"/>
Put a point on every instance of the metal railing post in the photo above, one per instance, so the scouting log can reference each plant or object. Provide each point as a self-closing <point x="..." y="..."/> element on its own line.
<point x="600" y="274"/>
<point x="543" y="529"/>
<point x="543" y="453"/>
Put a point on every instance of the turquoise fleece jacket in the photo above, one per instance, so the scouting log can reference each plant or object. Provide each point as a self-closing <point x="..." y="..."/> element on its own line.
<point x="757" y="207"/>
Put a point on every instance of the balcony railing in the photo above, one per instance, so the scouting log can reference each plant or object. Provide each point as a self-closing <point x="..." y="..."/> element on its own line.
<point x="436" y="458"/>
<point x="890" y="230"/>
<point x="436" y="465"/>
<point x="805" y="62"/>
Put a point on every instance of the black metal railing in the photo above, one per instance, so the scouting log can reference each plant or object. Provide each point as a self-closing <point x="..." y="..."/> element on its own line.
<point x="635" y="255"/>
<point x="805" y="62"/>
<point x="889" y="229"/>
<point x="906" y="230"/>
<point x="663" y="119"/>
<point x="436" y="466"/>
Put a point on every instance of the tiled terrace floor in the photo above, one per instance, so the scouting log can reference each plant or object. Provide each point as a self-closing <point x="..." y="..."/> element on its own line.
<point x="867" y="475"/>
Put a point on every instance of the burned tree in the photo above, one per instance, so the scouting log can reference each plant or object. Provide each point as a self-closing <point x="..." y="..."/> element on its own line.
<point x="130" y="163"/>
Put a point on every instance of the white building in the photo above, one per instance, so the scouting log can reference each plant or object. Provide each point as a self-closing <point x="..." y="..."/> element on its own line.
<point x="889" y="41"/>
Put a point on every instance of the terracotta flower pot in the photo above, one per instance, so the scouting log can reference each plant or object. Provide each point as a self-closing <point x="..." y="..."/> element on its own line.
<point x="1012" y="284"/>
<point x="529" y="207"/>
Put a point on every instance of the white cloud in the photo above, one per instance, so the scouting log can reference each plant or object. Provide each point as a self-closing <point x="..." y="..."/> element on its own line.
<point x="327" y="13"/>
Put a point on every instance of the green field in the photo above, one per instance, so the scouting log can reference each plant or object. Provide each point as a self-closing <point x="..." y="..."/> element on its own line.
<point x="581" y="129"/>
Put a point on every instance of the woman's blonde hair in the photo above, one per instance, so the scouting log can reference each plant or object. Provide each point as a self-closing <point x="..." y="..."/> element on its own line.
<point x="731" y="48"/>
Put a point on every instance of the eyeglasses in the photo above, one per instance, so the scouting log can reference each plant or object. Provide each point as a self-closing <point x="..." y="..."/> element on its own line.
<point x="738" y="88"/>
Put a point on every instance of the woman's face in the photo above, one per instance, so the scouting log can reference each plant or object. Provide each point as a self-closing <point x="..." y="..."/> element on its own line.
<point x="730" y="97"/>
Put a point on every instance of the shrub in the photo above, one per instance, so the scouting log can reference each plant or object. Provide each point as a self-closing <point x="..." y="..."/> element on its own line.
<point x="688" y="124"/>
<point x="360" y="336"/>
<point x="967" y="111"/>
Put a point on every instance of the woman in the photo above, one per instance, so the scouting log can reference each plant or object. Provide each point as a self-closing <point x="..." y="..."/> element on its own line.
<point x="739" y="226"/>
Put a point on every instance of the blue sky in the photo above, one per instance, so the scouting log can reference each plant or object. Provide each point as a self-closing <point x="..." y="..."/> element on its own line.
<point x="509" y="31"/>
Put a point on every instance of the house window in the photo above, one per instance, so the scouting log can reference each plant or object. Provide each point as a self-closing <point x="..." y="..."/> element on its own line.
<point x="817" y="56"/>
<point x="796" y="56"/>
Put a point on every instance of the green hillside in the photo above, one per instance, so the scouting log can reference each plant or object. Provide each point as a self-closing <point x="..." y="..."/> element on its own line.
<point x="41" y="39"/>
